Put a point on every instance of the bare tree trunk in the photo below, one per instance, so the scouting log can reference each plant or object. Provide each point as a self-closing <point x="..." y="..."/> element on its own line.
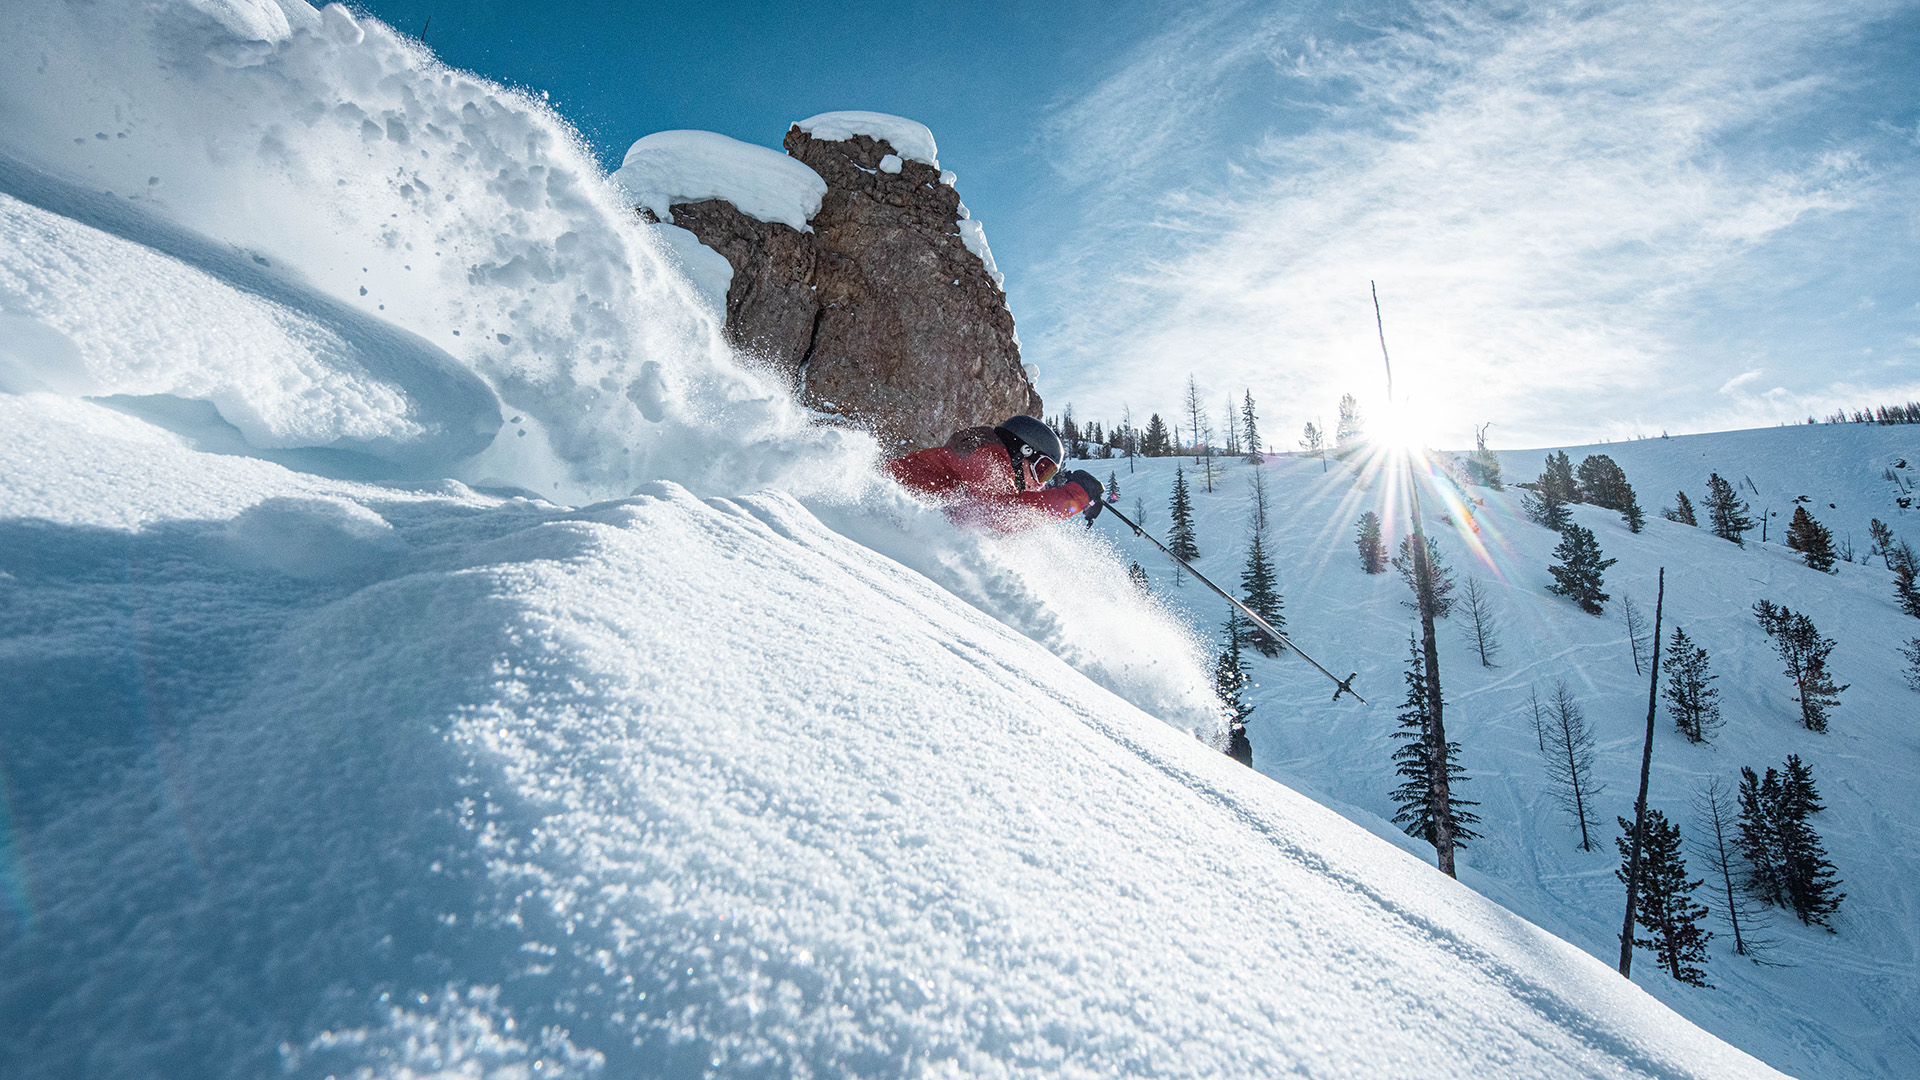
<point x="1640" y="804"/>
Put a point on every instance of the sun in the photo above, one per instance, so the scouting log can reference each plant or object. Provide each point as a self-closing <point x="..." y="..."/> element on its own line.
<point x="1403" y="428"/>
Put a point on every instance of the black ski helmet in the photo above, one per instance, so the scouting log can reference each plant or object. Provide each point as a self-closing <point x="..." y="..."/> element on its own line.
<point x="1025" y="431"/>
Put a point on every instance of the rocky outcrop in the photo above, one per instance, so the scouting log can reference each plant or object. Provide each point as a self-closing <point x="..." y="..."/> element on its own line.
<point x="881" y="314"/>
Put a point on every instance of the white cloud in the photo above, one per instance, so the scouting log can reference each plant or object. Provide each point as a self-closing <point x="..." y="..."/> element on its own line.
<point x="1738" y="381"/>
<point x="1542" y="193"/>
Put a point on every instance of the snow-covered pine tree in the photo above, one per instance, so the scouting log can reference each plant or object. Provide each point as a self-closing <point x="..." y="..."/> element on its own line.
<point x="1113" y="484"/>
<point x="1229" y="685"/>
<point x="1715" y="815"/>
<point x="1439" y="575"/>
<point x="1905" y="565"/>
<point x="1351" y="430"/>
<point x="1804" y="652"/>
<point x="1911" y="651"/>
<point x="1373" y="550"/>
<point x="1414" y="762"/>
<point x="1250" y="428"/>
<point x="1682" y="510"/>
<point x="1180" y="533"/>
<point x="1566" y="745"/>
<point x="1481" y="625"/>
<point x="1138" y="575"/>
<point x="1483" y="468"/>
<point x="1260" y="591"/>
<point x="1579" y="573"/>
<point x="1665" y="906"/>
<point x="1811" y="539"/>
<point x="1692" y="702"/>
<point x="1726" y="510"/>
<point x="1637" y="632"/>
<point x="1156" y="442"/>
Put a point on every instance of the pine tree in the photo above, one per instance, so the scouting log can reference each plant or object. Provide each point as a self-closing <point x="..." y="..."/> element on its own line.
<point x="1691" y="701"/>
<point x="1811" y="539"/>
<point x="1373" y="552"/>
<point x="1631" y="513"/>
<point x="1715" y="814"/>
<point x="1314" y="443"/>
<point x="1113" y="485"/>
<point x="1260" y="503"/>
<point x="1665" y="906"/>
<point x="1483" y="467"/>
<point x="1882" y="540"/>
<point x="1250" y="425"/>
<point x="1180" y="535"/>
<point x="1786" y="862"/>
<point x="1558" y="477"/>
<point x="1578" y="576"/>
<point x="1233" y="448"/>
<point x="1905" y="565"/>
<point x="1602" y="482"/>
<point x="1682" y="511"/>
<point x="1414" y="762"/>
<point x="1804" y="652"/>
<point x="1911" y="651"/>
<point x="1637" y="633"/>
<point x="1138" y="575"/>
<point x="1481" y="625"/>
<point x="1261" y="593"/>
<point x="1727" y="512"/>
<point x="1197" y="420"/>
<point x="1439" y="576"/>
<point x="1156" y="442"/>
<point x="1545" y="506"/>
<point x="1566" y="745"/>
<point x="1351" y="431"/>
<point x="1229" y="685"/>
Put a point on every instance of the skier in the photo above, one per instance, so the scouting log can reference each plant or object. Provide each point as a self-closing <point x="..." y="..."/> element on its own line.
<point x="997" y="476"/>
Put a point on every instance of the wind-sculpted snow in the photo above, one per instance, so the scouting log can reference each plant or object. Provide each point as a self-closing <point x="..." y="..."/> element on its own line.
<point x="346" y="163"/>
<point x="669" y="786"/>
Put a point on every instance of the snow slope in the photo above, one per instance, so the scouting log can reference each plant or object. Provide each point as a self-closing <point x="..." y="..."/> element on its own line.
<point x="1843" y="1004"/>
<point x="317" y="760"/>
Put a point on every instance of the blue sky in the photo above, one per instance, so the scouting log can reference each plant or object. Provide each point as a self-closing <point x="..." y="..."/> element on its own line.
<point x="1587" y="220"/>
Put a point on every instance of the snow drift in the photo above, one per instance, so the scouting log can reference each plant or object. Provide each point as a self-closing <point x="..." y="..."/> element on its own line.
<point x="750" y="767"/>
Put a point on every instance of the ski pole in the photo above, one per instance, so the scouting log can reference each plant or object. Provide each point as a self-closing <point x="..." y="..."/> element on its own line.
<point x="1340" y="686"/>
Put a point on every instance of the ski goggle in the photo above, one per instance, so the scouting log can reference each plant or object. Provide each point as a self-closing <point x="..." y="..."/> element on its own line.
<point x="1039" y="466"/>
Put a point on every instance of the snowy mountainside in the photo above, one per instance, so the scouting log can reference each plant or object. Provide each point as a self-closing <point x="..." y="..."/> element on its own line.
<point x="1841" y="1005"/>
<point x="745" y="764"/>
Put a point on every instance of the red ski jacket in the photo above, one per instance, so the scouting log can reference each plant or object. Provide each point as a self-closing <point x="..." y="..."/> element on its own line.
<point x="973" y="474"/>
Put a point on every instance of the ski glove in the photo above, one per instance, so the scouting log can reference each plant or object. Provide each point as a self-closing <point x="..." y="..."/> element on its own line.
<point x="1089" y="485"/>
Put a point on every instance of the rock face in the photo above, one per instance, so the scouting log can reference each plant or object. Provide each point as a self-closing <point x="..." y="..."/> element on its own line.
<point x="881" y="314"/>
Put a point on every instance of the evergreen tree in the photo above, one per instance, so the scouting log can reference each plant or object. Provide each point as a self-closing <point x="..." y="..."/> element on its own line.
<point x="1113" y="485"/>
<point x="1882" y="540"/>
<point x="1156" y="442"/>
<point x="1261" y="593"/>
<point x="1911" y="651"/>
<point x="1439" y="576"/>
<point x="1558" y="478"/>
<point x="1906" y="569"/>
<point x="1631" y="513"/>
<point x="1578" y="576"/>
<point x="1546" y="504"/>
<point x="1811" y="539"/>
<point x="1250" y="426"/>
<point x="1716" y="816"/>
<point x="1727" y="512"/>
<point x="1314" y="443"/>
<point x="1665" y="907"/>
<point x="1638" y="635"/>
<point x="1480" y="621"/>
<point x="1483" y="467"/>
<point x="1351" y="431"/>
<point x="1786" y="863"/>
<point x="1682" y="511"/>
<point x="1414" y="762"/>
<point x="1180" y="535"/>
<point x="1373" y="551"/>
<point x="1138" y="575"/>
<point x="1229" y="685"/>
<point x="1566" y="745"/>
<point x="1602" y="482"/>
<point x="1691" y="701"/>
<point x="1804" y="652"/>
